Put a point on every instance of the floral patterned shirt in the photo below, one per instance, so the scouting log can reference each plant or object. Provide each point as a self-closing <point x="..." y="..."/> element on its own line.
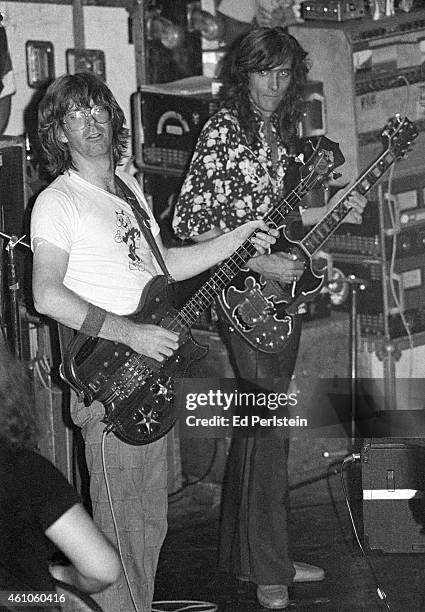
<point x="229" y="182"/>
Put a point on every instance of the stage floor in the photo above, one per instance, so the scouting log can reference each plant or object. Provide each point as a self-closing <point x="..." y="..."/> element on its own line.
<point x="321" y="534"/>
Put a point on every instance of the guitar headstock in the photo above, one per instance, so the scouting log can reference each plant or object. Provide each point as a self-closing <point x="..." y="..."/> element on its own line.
<point x="399" y="133"/>
<point x="322" y="156"/>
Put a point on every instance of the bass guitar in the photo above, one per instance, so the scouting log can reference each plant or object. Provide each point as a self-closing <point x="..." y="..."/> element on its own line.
<point x="142" y="397"/>
<point x="261" y="310"/>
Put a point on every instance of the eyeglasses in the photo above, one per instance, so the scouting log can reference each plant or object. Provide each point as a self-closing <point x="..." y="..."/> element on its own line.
<point x="77" y="119"/>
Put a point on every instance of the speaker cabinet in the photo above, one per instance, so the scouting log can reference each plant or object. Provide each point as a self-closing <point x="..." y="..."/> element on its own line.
<point x="13" y="200"/>
<point x="12" y="184"/>
<point x="393" y="481"/>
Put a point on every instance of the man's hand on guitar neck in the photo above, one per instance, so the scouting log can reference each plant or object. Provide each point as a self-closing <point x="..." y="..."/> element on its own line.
<point x="283" y="267"/>
<point x="313" y="215"/>
<point x="355" y="200"/>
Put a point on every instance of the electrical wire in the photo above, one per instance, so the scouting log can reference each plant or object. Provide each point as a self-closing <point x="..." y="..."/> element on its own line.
<point x="114" y="520"/>
<point x="188" y="604"/>
<point x="380" y="592"/>
<point x="198" y="606"/>
<point x="393" y="257"/>
<point x="402" y="77"/>
<point x="395" y="295"/>
<point x="198" y="480"/>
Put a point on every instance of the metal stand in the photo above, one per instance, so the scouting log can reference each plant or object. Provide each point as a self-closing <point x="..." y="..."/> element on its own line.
<point x="355" y="284"/>
<point x="13" y="285"/>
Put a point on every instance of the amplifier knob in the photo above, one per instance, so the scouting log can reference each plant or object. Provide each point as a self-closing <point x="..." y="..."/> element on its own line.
<point x="406" y="245"/>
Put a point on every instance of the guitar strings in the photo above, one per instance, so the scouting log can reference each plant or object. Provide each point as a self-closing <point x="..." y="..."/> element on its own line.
<point x="189" y="313"/>
<point x="304" y="186"/>
<point x="363" y="185"/>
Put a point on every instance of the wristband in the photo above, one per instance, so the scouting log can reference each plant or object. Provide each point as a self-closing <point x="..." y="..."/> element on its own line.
<point x="93" y="321"/>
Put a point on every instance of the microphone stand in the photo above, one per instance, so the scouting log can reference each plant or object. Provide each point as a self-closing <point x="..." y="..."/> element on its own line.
<point x="355" y="284"/>
<point x="13" y="285"/>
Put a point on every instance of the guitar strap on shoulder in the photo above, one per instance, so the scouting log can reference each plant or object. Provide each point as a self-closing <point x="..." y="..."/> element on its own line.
<point x="66" y="334"/>
<point x="144" y="224"/>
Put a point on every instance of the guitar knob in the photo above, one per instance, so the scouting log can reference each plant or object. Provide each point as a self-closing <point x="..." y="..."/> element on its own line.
<point x="162" y="379"/>
<point x="158" y="403"/>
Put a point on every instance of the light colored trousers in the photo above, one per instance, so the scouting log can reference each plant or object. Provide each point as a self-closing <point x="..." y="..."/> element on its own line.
<point x="137" y="478"/>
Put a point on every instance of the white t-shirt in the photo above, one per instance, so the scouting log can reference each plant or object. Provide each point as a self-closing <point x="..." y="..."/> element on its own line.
<point x="110" y="262"/>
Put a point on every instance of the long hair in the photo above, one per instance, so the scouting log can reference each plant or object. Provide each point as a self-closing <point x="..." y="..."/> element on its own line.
<point x="18" y="424"/>
<point x="81" y="89"/>
<point x="263" y="49"/>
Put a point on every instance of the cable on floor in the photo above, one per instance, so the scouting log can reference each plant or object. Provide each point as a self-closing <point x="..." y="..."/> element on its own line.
<point x="380" y="592"/>
<point x="171" y="496"/>
<point x="114" y="521"/>
<point x="188" y="604"/>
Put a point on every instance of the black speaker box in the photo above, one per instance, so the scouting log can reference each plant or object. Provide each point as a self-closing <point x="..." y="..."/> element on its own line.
<point x="393" y="482"/>
<point x="13" y="222"/>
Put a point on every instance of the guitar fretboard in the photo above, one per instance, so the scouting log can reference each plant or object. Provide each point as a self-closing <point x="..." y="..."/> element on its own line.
<point x="316" y="238"/>
<point x="200" y="301"/>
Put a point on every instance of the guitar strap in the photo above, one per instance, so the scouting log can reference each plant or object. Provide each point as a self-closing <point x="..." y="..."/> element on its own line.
<point x="65" y="333"/>
<point x="144" y="224"/>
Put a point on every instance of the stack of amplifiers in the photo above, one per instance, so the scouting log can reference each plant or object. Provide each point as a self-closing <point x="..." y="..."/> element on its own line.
<point x="379" y="73"/>
<point x="388" y="252"/>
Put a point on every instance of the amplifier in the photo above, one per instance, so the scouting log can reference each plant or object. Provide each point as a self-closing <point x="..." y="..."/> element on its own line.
<point x="393" y="481"/>
<point x="408" y="283"/>
<point x="403" y="217"/>
<point x="409" y="239"/>
<point x="171" y="126"/>
<point x="333" y="10"/>
<point x="385" y="97"/>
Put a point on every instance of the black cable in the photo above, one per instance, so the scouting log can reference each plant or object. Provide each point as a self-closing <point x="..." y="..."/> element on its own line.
<point x="198" y="480"/>
<point x="380" y="592"/>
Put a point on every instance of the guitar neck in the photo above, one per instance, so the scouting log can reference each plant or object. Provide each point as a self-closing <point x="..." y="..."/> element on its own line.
<point x="200" y="301"/>
<point x="316" y="238"/>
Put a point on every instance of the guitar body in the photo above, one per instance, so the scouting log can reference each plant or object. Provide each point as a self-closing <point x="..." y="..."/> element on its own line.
<point x="262" y="311"/>
<point x="140" y="395"/>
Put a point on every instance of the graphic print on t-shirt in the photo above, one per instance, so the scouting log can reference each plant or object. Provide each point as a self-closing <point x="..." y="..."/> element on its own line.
<point x="138" y="258"/>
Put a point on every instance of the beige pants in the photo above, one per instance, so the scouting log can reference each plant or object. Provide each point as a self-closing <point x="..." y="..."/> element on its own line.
<point x="137" y="477"/>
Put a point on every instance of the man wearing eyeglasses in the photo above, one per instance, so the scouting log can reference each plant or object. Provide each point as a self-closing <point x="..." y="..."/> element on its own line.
<point x="91" y="264"/>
